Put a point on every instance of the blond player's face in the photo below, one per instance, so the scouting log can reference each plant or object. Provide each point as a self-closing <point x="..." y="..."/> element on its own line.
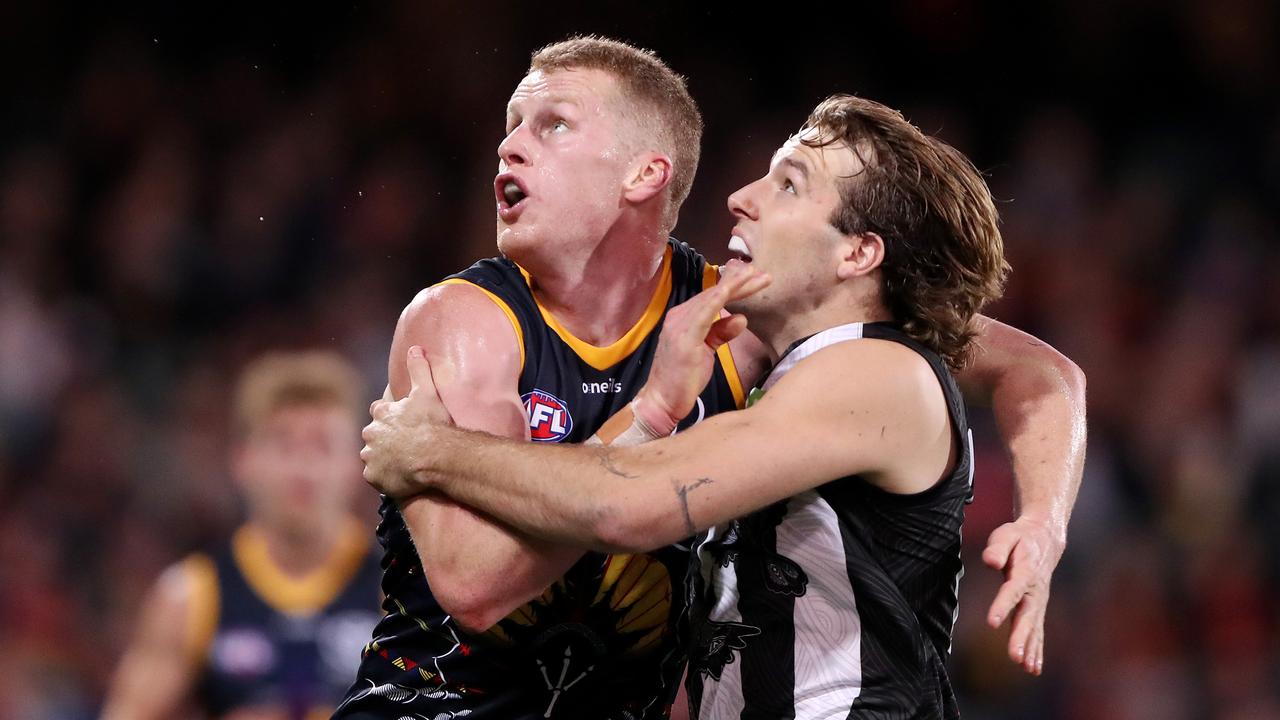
<point x="784" y="224"/>
<point x="301" y="465"/>
<point x="562" y="163"/>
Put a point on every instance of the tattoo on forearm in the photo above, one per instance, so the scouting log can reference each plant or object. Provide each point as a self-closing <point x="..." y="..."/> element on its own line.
<point x="682" y="492"/>
<point x="605" y="454"/>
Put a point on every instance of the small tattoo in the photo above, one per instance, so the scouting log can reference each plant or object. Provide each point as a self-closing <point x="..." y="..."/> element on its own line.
<point x="605" y="453"/>
<point x="682" y="491"/>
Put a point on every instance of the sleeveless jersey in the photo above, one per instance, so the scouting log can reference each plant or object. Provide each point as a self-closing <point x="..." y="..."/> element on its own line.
<point x="605" y="641"/>
<point x="837" y="602"/>
<point x="266" y="640"/>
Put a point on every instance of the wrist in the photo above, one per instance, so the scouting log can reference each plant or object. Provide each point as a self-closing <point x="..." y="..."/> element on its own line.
<point x="418" y="482"/>
<point x="652" y="416"/>
<point x="1053" y="525"/>
<point x="431" y="458"/>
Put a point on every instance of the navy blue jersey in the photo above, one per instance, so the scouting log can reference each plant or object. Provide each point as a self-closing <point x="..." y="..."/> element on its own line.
<point x="604" y="641"/>
<point x="266" y="640"/>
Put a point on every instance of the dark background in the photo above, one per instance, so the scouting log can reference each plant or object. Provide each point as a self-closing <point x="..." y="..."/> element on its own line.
<point x="183" y="186"/>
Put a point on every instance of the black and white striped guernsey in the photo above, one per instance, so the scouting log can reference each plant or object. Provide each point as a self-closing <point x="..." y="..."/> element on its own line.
<point x="837" y="602"/>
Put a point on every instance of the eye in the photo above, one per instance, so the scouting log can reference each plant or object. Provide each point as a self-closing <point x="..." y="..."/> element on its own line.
<point x="559" y="126"/>
<point x="788" y="186"/>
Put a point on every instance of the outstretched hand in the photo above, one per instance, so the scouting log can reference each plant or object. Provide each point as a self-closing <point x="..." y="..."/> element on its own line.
<point x="1026" y="551"/>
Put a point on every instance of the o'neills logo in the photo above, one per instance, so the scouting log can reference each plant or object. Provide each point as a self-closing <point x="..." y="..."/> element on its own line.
<point x="549" y="418"/>
<point x="599" y="388"/>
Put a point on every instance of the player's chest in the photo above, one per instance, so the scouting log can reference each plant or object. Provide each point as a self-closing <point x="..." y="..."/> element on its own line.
<point x="567" y="400"/>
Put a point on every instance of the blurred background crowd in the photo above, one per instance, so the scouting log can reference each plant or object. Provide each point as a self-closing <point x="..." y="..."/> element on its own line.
<point x="182" y="188"/>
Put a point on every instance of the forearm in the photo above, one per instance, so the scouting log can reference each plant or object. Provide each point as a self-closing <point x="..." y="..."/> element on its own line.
<point x="561" y="494"/>
<point x="1038" y="398"/>
<point x="633" y="499"/>
<point x="147" y="690"/>
<point x="1040" y="411"/>
<point x="479" y="569"/>
<point x="523" y="563"/>
<point x="155" y="675"/>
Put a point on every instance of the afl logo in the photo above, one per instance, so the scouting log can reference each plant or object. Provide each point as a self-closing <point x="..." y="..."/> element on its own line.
<point x="549" y="418"/>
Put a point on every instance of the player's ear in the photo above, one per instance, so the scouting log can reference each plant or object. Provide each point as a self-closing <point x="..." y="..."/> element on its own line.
<point x="649" y="175"/>
<point x="859" y="255"/>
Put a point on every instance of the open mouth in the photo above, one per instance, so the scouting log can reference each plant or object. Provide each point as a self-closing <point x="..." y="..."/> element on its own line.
<point x="739" y="248"/>
<point x="510" y="194"/>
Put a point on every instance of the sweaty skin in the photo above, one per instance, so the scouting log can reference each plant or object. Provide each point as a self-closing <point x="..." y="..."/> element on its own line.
<point x="1038" y="397"/>
<point x="593" y="265"/>
<point x="476" y="358"/>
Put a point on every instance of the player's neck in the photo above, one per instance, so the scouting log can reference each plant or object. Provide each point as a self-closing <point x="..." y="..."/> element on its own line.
<point x="781" y="330"/>
<point x="599" y="295"/>
<point x="300" y="553"/>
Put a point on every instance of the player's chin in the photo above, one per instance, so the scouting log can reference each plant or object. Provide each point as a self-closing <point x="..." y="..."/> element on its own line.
<point x="516" y="243"/>
<point x="529" y="250"/>
<point x="745" y="306"/>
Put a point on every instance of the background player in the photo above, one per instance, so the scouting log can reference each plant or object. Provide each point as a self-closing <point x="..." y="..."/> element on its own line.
<point x="269" y="625"/>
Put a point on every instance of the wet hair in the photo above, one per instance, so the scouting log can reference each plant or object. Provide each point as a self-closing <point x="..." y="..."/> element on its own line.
<point x="944" y="257"/>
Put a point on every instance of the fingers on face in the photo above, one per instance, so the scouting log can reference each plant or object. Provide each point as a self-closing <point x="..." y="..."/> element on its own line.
<point x="739" y="282"/>
<point x="726" y="329"/>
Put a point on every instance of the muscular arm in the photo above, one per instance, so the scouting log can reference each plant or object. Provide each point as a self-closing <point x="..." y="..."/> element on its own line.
<point x="155" y="676"/>
<point x="801" y="435"/>
<point x="1038" y="398"/>
<point x="479" y="570"/>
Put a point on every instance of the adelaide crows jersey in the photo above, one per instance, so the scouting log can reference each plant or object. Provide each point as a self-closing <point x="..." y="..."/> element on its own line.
<point x="604" y="642"/>
<point x="267" y="641"/>
<point x="837" y="602"/>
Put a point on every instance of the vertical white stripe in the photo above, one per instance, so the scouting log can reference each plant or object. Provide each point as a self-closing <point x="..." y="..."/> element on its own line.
<point x="828" y="630"/>
<point x="828" y="663"/>
<point x="722" y="699"/>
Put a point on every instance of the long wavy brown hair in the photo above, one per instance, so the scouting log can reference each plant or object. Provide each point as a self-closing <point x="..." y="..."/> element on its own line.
<point x="944" y="257"/>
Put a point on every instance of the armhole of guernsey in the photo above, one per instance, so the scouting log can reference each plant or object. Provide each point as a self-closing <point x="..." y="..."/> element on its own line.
<point x="502" y="305"/>
<point x="203" y="609"/>
<point x="710" y="276"/>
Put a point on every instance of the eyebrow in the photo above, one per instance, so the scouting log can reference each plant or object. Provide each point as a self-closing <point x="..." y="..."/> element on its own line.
<point x="553" y="100"/>
<point x="799" y="166"/>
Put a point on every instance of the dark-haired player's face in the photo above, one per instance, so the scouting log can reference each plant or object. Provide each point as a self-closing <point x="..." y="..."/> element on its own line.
<point x="562" y="163"/>
<point x="784" y="225"/>
<point x="300" y="466"/>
